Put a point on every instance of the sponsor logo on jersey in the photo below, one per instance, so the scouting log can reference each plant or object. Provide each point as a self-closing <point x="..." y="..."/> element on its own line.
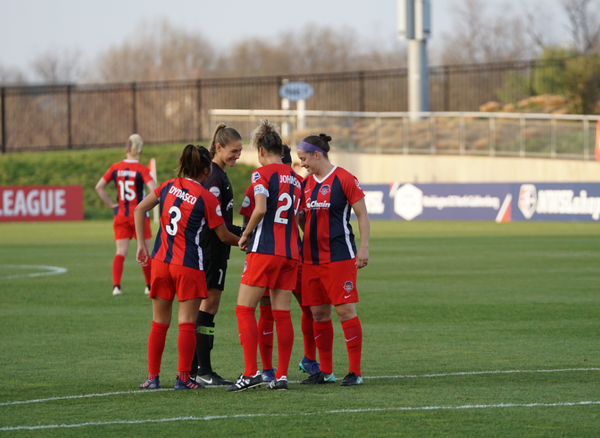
<point x="314" y="204"/>
<point x="255" y="176"/>
<point x="218" y="210"/>
<point x="215" y="191"/>
<point x="230" y="205"/>
<point x="127" y="173"/>
<point x="183" y="195"/>
<point x="527" y="200"/>
<point x="348" y="286"/>
<point x="357" y="183"/>
<point x="324" y="189"/>
<point x="246" y="202"/>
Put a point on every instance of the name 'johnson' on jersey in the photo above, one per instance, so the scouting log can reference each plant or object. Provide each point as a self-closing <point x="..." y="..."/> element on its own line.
<point x="327" y="204"/>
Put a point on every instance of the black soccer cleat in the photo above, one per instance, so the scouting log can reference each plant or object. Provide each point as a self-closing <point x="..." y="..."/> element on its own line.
<point x="279" y="384"/>
<point x="352" y="379"/>
<point x="213" y="379"/>
<point x="245" y="382"/>
<point x="319" y="378"/>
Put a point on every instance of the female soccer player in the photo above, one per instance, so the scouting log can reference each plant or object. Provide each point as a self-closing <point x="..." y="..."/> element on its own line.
<point x="308" y="364"/>
<point x="330" y="256"/>
<point x="129" y="177"/>
<point x="271" y="241"/>
<point x="225" y="150"/>
<point x="186" y="208"/>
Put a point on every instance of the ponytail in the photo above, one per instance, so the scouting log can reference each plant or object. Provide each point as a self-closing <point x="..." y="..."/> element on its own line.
<point x="134" y="145"/>
<point x="194" y="160"/>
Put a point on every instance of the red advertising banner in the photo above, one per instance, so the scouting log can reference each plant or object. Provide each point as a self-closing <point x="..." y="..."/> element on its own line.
<point x="41" y="203"/>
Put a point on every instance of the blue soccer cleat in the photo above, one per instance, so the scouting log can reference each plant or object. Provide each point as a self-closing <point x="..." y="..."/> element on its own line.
<point x="190" y="384"/>
<point x="151" y="384"/>
<point x="310" y="367"/>
<point x="269" y="375"/>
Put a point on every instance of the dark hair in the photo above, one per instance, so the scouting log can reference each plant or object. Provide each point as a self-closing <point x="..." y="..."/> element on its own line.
<point x="224" y="136"/>
<point x="266" y="136"/>
<point x="286" y="157"/>
<point x="321" y="141"/>
<point x="193" y="161"/>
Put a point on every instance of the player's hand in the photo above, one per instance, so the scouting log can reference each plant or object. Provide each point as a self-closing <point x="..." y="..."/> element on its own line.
<point x="243" y="242"/>
<point x="142" y="255"/>
<point x="362" y="258"/>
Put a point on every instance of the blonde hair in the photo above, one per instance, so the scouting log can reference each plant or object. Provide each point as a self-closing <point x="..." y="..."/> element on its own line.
<point x="224" y="136"/>
<point x="266" y="136"/>
<point x="134" y="145"/>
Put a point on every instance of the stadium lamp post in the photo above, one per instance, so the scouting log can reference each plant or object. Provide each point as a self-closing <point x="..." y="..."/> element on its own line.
<point x="414" y="25"/>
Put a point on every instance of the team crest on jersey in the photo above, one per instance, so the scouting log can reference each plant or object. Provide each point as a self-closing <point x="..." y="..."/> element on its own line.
<point x="324" y="189"/>
<point x="219" y="210"/>
<point x="348" y="286"/>
<point x="255" y="176"/>
<point x="357" y="183"/>
<point x="245" y="267"/>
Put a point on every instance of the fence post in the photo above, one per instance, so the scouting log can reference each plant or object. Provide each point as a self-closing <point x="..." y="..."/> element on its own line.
<point x="553" y="138"/>
<point x="432" y="148"/>
<point x="3" y="117"/>
<point x="586" y="139"/>
<point x="134" y="105"/>
<point x="521" y="136"/>
<point x="361" y="91"/>
<point x="200" y="115"/>
<point x="446" y="88"/>
<point x="69" y="116"/>
<point x="492" y="134"/>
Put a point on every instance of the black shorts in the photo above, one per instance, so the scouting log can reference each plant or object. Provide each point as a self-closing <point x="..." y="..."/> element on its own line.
<point x="215" y="271"/>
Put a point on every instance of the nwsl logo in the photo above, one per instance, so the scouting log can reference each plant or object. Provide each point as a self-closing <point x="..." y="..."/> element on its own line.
<point x="527" y="200"/>
<point x="348" y="286"/>
<point x="324" y="190"/>
<point x="255" y="177"/>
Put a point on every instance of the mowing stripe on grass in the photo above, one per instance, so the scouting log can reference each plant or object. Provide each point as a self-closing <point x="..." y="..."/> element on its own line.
<point x="340" y="411"/>
<point x="50" y="270"/>
<point x="146" y="391"/>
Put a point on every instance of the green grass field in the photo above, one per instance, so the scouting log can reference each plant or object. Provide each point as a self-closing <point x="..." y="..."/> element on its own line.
<point x="470" y="329"/>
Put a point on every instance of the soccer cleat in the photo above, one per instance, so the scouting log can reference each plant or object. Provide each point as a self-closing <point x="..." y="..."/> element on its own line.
<point x="310" y="367"/>
<point x="213" y="379"/>
<point x="352" y="379"/>
<point x="190" y="384"/>
<point x="318" y="378"/>
<point x="147" y="290"/>
<point x="269" y="375"/>
<point x="245" y="382"/>
<point x="117" y="291"/>
<point x="151" y="384"/>
<point x="279" y="384"/>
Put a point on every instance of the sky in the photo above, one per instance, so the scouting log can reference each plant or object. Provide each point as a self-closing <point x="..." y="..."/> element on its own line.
<point x="29" y="28"/>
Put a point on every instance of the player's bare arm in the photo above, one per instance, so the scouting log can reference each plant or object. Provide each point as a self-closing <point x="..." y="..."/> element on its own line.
<point x="257" y="215"/>
<point x="101" y="190"/>
<point x="226" y="236"/>
<point x="139" y="214"/>
<point x="364" y="227"/>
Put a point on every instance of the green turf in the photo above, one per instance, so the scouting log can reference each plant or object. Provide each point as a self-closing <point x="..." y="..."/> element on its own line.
<point x="436" y="298"/>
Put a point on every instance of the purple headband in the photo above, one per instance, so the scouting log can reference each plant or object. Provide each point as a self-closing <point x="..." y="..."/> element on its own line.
<point x="307" y="147"/>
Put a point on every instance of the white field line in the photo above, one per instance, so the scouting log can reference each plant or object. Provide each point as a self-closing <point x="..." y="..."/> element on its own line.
<point x="49" y="270"/>
<point x="415" y="376"/>
<point x="340" y="411"/>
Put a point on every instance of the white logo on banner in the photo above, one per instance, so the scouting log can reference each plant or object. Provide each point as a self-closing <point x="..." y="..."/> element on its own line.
<point x="374" y="202"/>
<point x="408" y="201"/>
<point x="527" y="200"/>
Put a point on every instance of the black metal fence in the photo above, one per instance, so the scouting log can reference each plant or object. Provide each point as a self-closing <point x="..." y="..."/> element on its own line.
<point x="77" y="116"/>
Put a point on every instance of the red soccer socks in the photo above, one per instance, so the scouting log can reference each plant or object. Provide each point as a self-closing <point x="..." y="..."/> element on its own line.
<point x="308" y="333"/>
<point x="186" y="345"/>
<point x="285" y="340"/>
<point x="156" y="345"/>
<point x="353" y="337"/>
<point x="117" y="269"/>
<point x="248" y="330"/>
<point x="324" y="343"/>
<point x="265" y="337"/>
<point x="147" y="271"/>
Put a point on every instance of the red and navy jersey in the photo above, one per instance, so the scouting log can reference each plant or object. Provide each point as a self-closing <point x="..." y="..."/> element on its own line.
<point x="277" y="232"/>
<point x="327" y="204"/>
<point x="186" y="208"/>
<point x="130" y="177"/>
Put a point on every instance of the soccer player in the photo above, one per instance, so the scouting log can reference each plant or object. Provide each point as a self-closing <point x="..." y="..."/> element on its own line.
<point x="330" y="256"/>
<point x="178" y="260"/>
<point x="308" y="364"/>
<point x="225" y="150"/>
<point x="129" y="177"/>
<point x="271" y="243"/>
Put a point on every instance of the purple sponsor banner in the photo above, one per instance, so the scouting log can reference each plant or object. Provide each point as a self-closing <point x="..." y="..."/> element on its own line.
<point x="503" y="202"/>
<point x="560" y="202"/>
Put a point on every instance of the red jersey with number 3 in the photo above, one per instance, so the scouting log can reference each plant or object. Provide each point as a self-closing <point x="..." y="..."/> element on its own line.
<point x="328" y="235"/>
<point x="277" y="233"/>
<point x="130" y="177"/>
<point x="185" y="209"/>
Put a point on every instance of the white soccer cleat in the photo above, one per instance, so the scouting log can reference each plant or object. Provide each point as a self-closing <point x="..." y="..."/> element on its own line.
<point x="117" y="291"/>
<point x="147" y="291"/>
